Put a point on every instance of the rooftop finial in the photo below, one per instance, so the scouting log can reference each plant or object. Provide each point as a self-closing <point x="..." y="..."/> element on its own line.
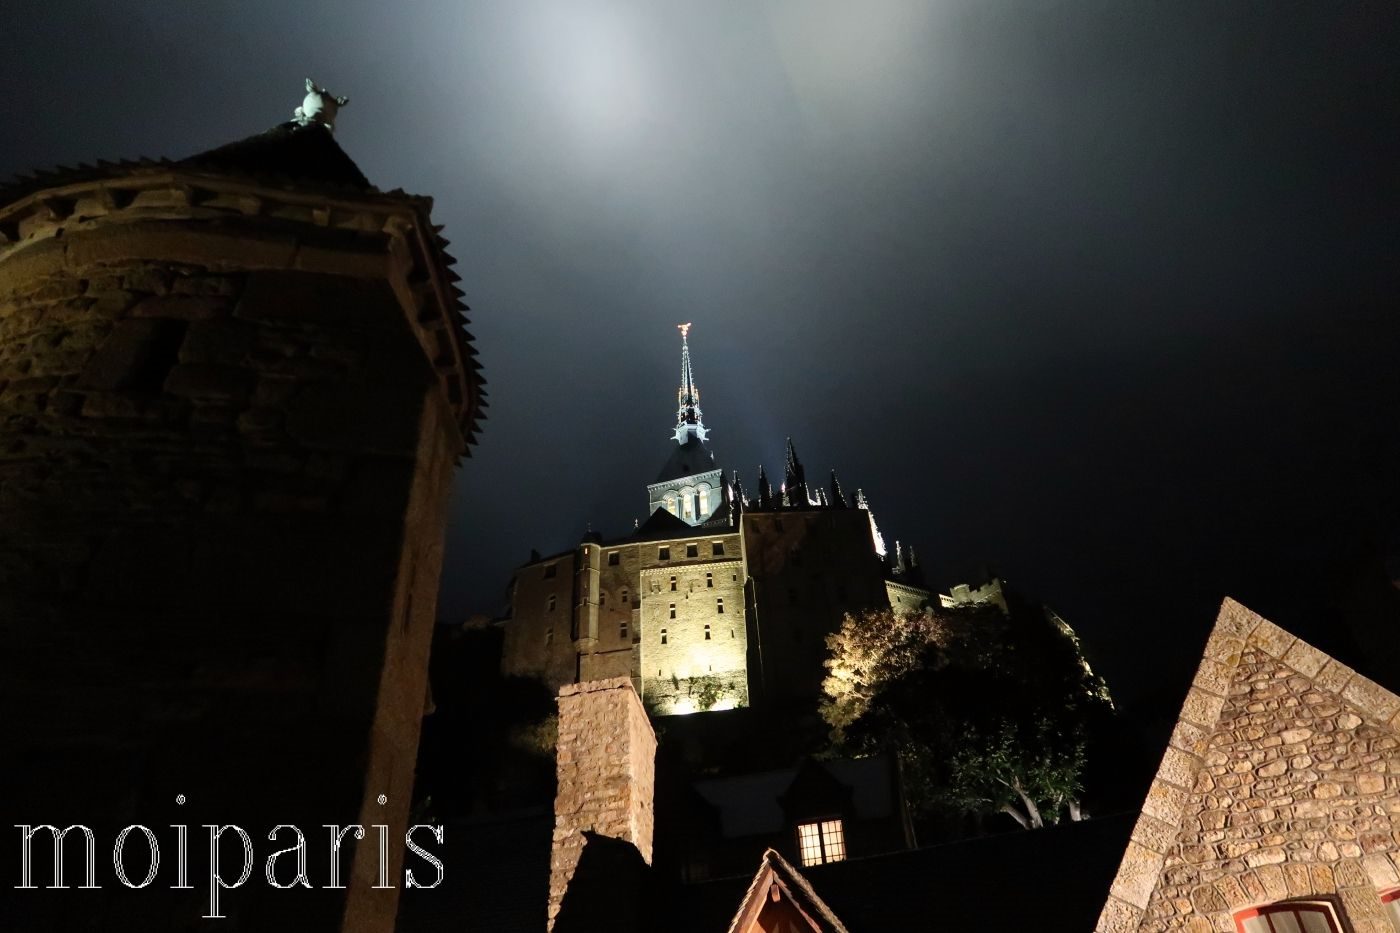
<point x="688" y="420"/>
<point x="318" y="107"/>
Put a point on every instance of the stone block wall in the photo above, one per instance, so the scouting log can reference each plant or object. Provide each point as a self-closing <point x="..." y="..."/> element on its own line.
<point x="224" y="462"/>
<point x="606" y="768"/>
<point x="1282" y="781"/>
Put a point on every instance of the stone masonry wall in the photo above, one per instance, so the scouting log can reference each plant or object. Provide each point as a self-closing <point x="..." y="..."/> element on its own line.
<point x="606" y="767"/>
<point x="1282" y="781"/>
<point x="222" y="477"/>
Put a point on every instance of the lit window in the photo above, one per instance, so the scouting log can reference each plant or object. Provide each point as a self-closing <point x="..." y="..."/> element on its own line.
<point x="663" y="636"/>
<point x="707" y="632"/>
<point x="622" y="630"/>
<point x="717" y="548"/>
<point x="663" y="554"/>
<point x="704" y="500"/>
<point x="1289" y="917"/>
<point x="692" y="550"/>
<point x="548" y="571"/>
<point x="673" y="610"/>
<point x="1391" y="900"/>
<point x="719" y="605"/>
<point x="614" y="558"/>
<point x="709" y="581"/>
<point x="549" y="603"/>
<point x="823" y="842"/>
<point x="671" y="504"/>
<point x="685" y="500"/>
<point x="673" y="584"/>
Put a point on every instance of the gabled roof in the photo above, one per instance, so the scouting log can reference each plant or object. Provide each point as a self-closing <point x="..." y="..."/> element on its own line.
<point x="1237" y="630"/>
<point x="776" y="886"/>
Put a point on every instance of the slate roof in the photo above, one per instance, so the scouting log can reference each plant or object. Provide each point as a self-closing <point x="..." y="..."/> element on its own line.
<point x="1061" y="872"/>
<point x="687" y="459"/>
<point x="288" y="151"/>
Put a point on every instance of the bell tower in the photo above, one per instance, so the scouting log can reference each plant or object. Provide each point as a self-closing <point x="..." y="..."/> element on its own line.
<point x="690" y="486"/>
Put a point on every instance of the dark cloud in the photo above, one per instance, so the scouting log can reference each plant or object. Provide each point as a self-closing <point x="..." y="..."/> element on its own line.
<point x="1103" y="293"/>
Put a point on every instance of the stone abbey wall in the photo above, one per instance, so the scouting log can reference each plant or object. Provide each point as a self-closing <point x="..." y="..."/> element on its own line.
<point x="1282" y="781"/>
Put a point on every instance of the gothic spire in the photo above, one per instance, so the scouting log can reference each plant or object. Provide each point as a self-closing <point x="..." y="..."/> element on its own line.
<point x="688" y="420"/>
<point x="838" y="498"/>
<point x="795" y="482"/>
<point x="765" y="490"/>
<point x="876" y="537"/>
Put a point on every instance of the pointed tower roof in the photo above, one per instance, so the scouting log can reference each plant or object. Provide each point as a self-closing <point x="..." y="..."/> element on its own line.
<point x="689" y="423"/>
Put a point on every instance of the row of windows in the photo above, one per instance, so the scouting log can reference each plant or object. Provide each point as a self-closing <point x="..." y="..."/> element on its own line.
<point x="719" y="607"/>
<point x="693" y="503"/>
<point x="665" y="635"/>
<point x="691" y="550"/>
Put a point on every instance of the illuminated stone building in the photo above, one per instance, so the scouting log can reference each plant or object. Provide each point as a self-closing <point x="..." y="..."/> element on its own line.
<point x="720" y="599"/>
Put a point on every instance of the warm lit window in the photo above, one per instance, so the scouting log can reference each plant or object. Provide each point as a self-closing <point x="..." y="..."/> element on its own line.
<point x="671" y="504"/>
<point x="673" y="610"/>
<point x="719" y="605"/>
<point x="663" y="554"/>
<point x="1289" y="917"/>
<point x="614" y="558"/>
<point x="717" y="548"/>
<point x="707" y="632"/>
<point x="692" y="550"/>
<point x="709" y="581"/>
<point x="548" y="571"/>
<point x="549" y="603"/>
<point x="1391" y="900"/>
<point x="704" y="500"/>
<point x="663" y="636"/>
<point x="687" y="512"/>
<point x="673" y="584"/>
<point x="821" y="842"/>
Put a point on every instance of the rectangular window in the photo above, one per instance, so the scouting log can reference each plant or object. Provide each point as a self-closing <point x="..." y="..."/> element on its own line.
<point x="719" y="605"/>
<point x="673" y="584"/>
<point x="709" y="581"/>
<point x="602" y="600"/>
<point x="707" y="631"/>
<point x="624" y="597"/>
<point x="717" y="549"/>
<point x="821" y="842"/>
<point x="663" y="554"/>
<point x="548" y="571"/>
<point x="663" y="636"/>
<point x="549" y="603"/>
<point x="549" y="636"/>
<point x="673" y="610"/>
<point x="1289" y="917"/>
<point x="614" y="558"/>
<point x="622" y="630"/>
<point x="692" y="550"/>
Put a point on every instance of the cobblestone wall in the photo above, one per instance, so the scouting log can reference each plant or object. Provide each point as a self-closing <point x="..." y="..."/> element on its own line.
<point x="606" y="766"/>
<point x="1282" y="781"/>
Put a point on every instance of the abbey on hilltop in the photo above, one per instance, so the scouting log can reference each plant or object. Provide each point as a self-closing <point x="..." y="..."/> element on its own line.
<point x="720" y="598"/>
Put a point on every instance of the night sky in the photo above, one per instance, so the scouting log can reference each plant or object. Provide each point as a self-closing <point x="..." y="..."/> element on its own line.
<point x="1101" y="294"/>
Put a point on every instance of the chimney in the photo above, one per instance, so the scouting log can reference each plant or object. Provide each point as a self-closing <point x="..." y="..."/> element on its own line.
<point x="603" y="808"/>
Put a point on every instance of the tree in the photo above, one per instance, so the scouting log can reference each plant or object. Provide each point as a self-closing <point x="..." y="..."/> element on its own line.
<point x="989" y="712"/>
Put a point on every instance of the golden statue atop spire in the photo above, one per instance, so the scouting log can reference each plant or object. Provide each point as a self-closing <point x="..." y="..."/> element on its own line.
<point x="684" y="329"/>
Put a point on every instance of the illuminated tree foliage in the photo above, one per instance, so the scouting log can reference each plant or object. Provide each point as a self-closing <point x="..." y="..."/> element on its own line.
<point x="989" y="712"/>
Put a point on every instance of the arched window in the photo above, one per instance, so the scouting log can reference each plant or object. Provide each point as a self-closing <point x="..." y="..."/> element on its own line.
<point x="704" y="501"/>
<point x="671" y="502"/>
<point x="1290" y="917"/>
